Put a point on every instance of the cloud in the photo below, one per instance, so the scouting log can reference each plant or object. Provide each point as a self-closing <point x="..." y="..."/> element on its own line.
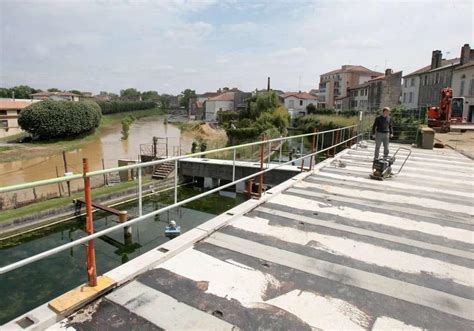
<point x="189" y="32"/>
<point x="356" y="43"/>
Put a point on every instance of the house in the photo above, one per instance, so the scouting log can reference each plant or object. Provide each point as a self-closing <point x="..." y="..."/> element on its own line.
<point x="233" y="99"/>
<point x="296" y="102"/>
<point x="385" y="90"/>
<point x="222" y="102"/>
<point x="439" y="75"/>
<point x="463" y="83"/>
<point x="57" y="96"/>
<point x="9" y="110"/>
<point x="359" y="97"/>
<point x="334" y="84"/>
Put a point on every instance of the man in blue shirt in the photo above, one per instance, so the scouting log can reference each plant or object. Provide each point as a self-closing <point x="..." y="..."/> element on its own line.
<point x="383" y="131"/>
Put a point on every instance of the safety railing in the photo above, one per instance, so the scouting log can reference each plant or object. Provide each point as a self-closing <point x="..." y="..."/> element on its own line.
<point x="339" y="138"/>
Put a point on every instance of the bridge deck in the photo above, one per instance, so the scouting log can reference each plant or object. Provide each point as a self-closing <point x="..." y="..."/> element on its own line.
<point x="334" y="250"/>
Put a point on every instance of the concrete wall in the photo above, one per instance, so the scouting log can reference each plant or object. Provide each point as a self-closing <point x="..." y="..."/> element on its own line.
<point x="215" y="171"/>
<point x="212" y="107"/>
<point x="410" y="89"/>
<point x="431" y="84"/>
<point x="465" y="75"/>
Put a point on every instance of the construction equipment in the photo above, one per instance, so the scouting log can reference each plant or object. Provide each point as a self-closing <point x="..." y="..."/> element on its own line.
<point x="452" y="113"/>
<point x="382" y="168"/>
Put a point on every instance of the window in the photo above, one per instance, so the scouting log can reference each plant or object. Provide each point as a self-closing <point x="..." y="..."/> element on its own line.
<point x="301" y="102"/>
<point x="461" y="90"/>
<point x="3" y="112"/>
<point x="471" y="88"/>
<point x="406" y="82"/>
<point x="410" y="98"/>
<point x="412" y="82"/>
<point x="3" y="124"/>
<point x="437" y="78"/>
<point x="292" y="104"/>
<point x="404" y="97"/>
<point x="426" y="80"/>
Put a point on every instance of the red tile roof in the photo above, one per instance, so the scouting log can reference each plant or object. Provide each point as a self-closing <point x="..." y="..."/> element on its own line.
<point x="47" y="94"/>
<point x="299" y="95"/>
<point x="17" y="104"/>
<point x="227" y="96"/>
<point x="353" y="69"/>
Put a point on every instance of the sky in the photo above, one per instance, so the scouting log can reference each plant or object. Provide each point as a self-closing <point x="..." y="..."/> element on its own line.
<point x="171" y="45"/>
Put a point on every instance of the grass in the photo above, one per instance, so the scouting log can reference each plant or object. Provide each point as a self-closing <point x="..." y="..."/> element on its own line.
<point x="338" y="120"/>
<point x="61" y="202"/>
<point x="5" y="148"/>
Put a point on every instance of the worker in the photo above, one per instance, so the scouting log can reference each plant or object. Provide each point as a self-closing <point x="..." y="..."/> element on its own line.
<point x="383" y="131"/>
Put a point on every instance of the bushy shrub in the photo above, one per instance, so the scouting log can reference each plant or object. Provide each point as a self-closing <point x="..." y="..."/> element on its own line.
<point x="59" y="119"/>
<point x="112" y="107"/>
<point x="227" y="116"/>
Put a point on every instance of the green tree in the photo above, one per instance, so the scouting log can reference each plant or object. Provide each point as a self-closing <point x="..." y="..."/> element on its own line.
<point x="186" y="95"/>
<point x="150" y="95"/>
<point x="54" y="89"/>
<point x="76" y="92"/>
<point x="263" y="102"/>
<point x="130" y="93"/>
<point x="165" y="100"/>
<point x="5" y="92"/>
<point x="311" y="109"/>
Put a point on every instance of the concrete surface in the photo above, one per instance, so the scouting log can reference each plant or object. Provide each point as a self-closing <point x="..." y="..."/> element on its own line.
<point x="331" y="250"/>
<point x="462" y="142"/>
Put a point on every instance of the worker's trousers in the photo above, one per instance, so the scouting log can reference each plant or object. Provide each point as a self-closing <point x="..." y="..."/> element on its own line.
<point x="381" y="137"/>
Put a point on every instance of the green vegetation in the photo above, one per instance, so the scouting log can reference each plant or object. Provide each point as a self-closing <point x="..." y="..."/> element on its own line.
<point x="112" y="107"/>
<point x="407" y="123"/>
<point x="59" y="119"/>
<point x="21" y="92"/>
<point x="311" y="109"/>
<point x="264" y="115"/>
<point x="126" y="121"/>
<point x="5" y="148"/>
<point x="308" y="123"/>
<point x="186" y="95"/>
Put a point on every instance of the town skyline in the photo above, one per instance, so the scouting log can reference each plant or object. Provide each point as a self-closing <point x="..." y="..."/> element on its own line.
<point x="169" y="46"/>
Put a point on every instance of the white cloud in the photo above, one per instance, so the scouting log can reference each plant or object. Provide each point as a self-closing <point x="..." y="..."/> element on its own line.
<point x="356" y="43"/>
<point x="189" y="32"/>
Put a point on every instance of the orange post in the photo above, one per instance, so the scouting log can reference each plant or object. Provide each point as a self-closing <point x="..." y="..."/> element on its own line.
<point x="260" y="184"/>
<point x="90" y="263"/>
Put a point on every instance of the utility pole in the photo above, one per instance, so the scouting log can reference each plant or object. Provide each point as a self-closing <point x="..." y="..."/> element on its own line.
<point x="268" y="84"/>
<point x="65" y="172"/>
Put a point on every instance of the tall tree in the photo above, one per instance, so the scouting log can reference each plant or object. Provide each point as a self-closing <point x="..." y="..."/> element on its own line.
<point x="130" y="93"/>
<point x="165" y="100"/>
<point x="150" y="95"/>
<point x="53" y="89"/>
<point x="185" y="96"/>
<point x="75" y="92"/>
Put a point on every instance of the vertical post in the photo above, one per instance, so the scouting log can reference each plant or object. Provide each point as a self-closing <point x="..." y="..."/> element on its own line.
<point x="322" y="142"/>
<point x="175" y="181"/>
<point x="281" y="147"/>
<point x="91" y="267"/>
<point x="140" y="193"/>
<point x="105" y="175"/>
<point x="167" y="147"/>
<point x="127" y="231"/>
<point x="59" y="185"/>
<point x="313" y="149"/>
<point x="65" y="171"/>
<point x="269" y="153"/>
<point x="233" y="165"/>
<point x="260" y="184"/>
<point x="302" y="146"/>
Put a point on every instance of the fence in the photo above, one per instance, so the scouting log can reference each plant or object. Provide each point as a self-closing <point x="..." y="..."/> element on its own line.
<point x="326" y="142"/>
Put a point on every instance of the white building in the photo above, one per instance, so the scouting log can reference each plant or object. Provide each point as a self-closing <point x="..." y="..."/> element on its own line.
<point x="296" y="102"/>
<point x="411" y="88"/>
<point x="223" y="102"/>
<point x="463" y="86"/>
<point x="9" y="110"/>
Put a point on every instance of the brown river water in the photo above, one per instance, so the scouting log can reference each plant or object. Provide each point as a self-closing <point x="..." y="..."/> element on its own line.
<point x="108" y="147"/>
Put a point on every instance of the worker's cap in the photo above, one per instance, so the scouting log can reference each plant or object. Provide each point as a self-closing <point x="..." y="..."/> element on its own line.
<point x="386" y="108"/>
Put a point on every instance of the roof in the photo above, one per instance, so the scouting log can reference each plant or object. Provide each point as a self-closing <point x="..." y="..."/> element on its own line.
<point x="14" y="104"/>
<point x="384" y="76"/>
<point x="465" y="65"/>
<point x="353" y="69"/>
<point x="363" y="85"/>
<point x="48" y="94"/>
<point x="329" y="249"/>
<point x="427" y="68"/>
<point x="227" y="96"/>
<point x="299" y="95"/>
<point x="208" y="95"/>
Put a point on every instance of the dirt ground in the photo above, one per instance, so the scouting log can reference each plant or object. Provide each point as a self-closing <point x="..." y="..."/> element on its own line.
<point x="462" y="142"/>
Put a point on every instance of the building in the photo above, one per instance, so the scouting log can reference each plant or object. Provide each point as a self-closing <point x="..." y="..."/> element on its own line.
<point x="57" y="96"/>
<point x="222" y="102"/>
<point x="440" y="74"/>
<point x="335" y="84"/>
<point x="463" y="84"/>
<point x="297" y="102"/>
<point x="359" y="97"/>
<point x="9" y="110"/>
<point x="385" y="90"/>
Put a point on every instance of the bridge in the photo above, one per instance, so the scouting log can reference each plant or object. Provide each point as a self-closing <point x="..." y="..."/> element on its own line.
<point x="327" y="249"/>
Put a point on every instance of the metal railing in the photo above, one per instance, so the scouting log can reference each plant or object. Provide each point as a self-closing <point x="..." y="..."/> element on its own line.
<point x="344" y="137"/>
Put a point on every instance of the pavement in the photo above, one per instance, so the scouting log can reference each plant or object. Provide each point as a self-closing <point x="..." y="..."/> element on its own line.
<point x="332" y="250"/>
<point x="463" y="142"/>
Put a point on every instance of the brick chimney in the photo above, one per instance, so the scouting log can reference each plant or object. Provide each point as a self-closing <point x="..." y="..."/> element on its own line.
<point x="465" y="54"/>
<point x="436" y="58"/>
<point x="388" y="72"/>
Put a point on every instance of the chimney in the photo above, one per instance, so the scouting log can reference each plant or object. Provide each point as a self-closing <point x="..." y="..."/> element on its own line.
<point x="465" y="54"/>
<point x="436" y="59"/>
<point x="388" y="72"/>
<point x="13" y="95"/>
<point x="268" y="83"/>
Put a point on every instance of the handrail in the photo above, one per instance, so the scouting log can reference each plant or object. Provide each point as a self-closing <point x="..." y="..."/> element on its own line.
<point x="53" y="251"/>
<point x="152" y="163"/>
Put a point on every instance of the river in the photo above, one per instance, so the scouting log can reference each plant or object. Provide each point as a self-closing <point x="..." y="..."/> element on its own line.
<point x="28" y="287"/>
<point x="108" y="147"/>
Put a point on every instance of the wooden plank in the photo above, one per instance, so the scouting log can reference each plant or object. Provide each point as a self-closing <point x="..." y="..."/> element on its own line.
<point x="102" y="207"/>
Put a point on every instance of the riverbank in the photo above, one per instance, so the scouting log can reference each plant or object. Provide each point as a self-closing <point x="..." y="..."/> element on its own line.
<point x="10" y="151"/>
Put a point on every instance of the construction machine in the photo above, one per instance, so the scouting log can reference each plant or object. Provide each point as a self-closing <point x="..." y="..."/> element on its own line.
<point x="452" y="113"/>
